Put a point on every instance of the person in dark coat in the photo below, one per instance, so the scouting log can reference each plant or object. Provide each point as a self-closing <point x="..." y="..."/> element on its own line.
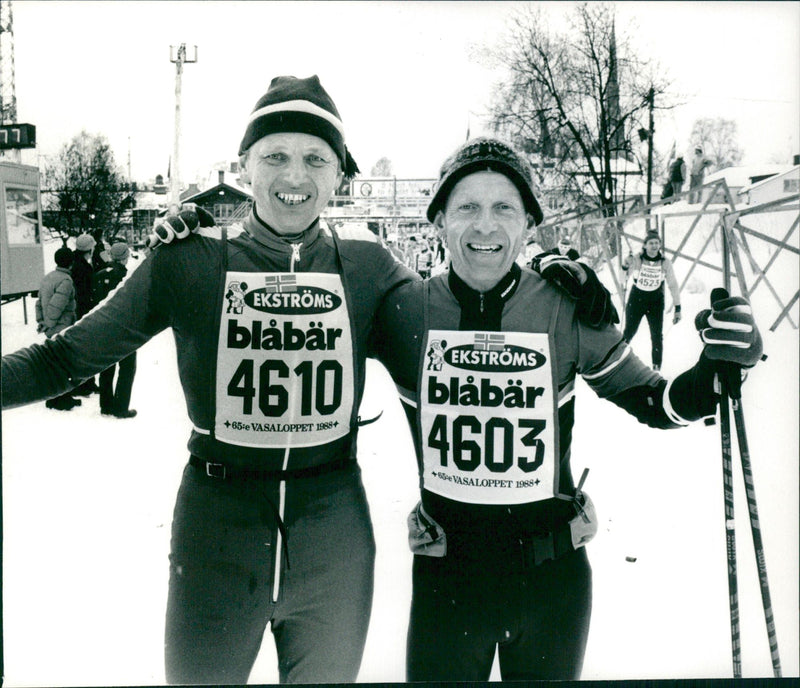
<point x="82" y="272"/>
<point x="55" y="311"/>
<point x="115" y="400"/>
<point x="677" y="175"/>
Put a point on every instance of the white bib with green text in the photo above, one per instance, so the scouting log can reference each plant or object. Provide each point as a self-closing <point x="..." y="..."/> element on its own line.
<point x="284" y="361"/>
<point x="488" y="416"/>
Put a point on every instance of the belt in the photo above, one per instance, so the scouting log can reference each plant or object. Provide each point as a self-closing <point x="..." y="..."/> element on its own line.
<point x="223" y="471"/>
<point x="539" y="548"/>
<point x="525" y="550"/>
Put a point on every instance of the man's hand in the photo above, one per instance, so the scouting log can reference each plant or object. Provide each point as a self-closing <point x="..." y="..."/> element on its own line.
<point x="594" y="307"/>
<point x="729" y="331"/>
<point x="189" y="219"/>
<point x="676" y="318"/>
<point x="562" y="271"/>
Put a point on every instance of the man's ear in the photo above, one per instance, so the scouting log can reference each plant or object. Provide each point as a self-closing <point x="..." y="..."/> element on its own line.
<point x="244" y="174"/>
<point x="438" y="223"/>
<point x="531" y="222"/>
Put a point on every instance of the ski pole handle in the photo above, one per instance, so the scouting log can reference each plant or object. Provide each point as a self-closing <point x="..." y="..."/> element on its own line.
<point x="732" y="372"/>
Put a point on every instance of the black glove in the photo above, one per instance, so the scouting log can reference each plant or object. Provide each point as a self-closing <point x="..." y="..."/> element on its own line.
<point x="729" y="331"/>
<point x="595" y="307"/>
<point x="188" y="220"/>
<point x="677" y="317"/>
<point x="731" y="337"/>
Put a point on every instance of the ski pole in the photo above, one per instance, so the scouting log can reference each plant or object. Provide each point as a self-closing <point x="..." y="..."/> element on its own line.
<point x="727" y="485"/>
<point x="755" y="528"/>
<point x="732" y="377"/>
<point x="730" y="526"/>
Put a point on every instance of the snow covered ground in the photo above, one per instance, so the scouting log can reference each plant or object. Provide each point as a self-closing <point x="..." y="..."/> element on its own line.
<point x="87" y="505"/>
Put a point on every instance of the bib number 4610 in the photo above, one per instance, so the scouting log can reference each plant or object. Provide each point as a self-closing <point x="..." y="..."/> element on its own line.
<point x="320" y="388"/>
<point x="468" y="452"/>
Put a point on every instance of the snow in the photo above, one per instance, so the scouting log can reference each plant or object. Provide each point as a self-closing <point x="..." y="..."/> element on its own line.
<point x="87" y="506"/>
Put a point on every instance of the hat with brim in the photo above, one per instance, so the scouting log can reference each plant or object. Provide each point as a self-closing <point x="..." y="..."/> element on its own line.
<point x="482" y="154"/>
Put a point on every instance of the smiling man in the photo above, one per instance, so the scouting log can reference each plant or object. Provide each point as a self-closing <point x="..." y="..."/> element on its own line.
<point x="271" y="523"/>
<point x="485" y="358"/>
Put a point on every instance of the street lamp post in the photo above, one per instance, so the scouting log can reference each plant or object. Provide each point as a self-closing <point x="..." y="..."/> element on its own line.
<point x="178" y="57"/>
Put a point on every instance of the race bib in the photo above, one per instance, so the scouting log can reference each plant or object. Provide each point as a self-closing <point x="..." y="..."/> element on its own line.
<point x="284" y="360"/>
<point x="488" y="417"/>
<point x="650" y="277"/>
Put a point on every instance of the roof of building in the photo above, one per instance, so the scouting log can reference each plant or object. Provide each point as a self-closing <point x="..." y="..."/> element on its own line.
<point x="742" y="175"/>
<point x="792" y="171"/>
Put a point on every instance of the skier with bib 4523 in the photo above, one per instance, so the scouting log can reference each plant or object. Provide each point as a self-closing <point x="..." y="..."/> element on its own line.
<point x="649" y="270"/>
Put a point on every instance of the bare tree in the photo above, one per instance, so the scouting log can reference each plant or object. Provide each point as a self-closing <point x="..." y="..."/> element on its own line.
<point x="382" y="168"/>
<point x="84" y="190"/>
<point x="719" y="138"/>
<point x="574" y="101"/>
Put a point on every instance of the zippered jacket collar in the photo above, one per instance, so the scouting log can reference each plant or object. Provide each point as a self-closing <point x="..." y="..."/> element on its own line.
<point x="263" y="234"/>
<point x="483" y="310"/>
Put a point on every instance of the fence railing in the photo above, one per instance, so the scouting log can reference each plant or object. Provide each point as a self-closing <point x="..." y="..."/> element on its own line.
<point x="600" y="240"/>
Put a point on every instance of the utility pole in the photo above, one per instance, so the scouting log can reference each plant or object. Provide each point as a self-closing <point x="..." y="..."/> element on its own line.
<point x="179" y="58"/>
<point x="651" y="129"/>
<point x="8" y="90"/>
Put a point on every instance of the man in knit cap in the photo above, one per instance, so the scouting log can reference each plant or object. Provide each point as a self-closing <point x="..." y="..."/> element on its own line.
<point x="115" y="399"/>
<point x="271" y="523"/>
<point x="55" y="311"/>
<point x="485" y="357"/>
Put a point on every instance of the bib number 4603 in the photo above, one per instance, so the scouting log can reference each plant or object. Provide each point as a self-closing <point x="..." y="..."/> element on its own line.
<point x="320" y="388"/>
<point x="468" y="452"/>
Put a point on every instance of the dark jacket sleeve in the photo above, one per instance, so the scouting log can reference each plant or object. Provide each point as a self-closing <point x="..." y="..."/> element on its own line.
<point x="104" y="336"/>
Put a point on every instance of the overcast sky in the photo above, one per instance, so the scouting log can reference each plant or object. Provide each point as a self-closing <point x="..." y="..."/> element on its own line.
<point x="399" y="72"/>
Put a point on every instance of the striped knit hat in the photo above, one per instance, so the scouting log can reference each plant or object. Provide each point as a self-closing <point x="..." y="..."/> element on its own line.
<point x="303" y="106"/>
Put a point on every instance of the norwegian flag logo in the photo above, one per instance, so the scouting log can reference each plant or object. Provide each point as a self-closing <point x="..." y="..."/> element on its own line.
<point x="489" y="341"/>
<point x="280" y="283"/>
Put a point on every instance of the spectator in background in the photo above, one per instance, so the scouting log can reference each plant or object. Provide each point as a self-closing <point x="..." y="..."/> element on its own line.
<point x="115" y="400"/>
<point x="439" y="254"/>
<point x="697" y="173"/>
<point x="424" y="259"/>
<point x="100" y="254"/>
<point x="562" y="248"/>
<point x="55" y="311"/>
<point x="82" y="271"/>
<point x="677" y="175"/>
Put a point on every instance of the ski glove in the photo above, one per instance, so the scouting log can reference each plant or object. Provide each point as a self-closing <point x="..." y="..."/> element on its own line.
<point x="594" y="307"/>
<point x="729" y="331"/>
<point x="188" y="220"/>
<point x="677" y="317"/>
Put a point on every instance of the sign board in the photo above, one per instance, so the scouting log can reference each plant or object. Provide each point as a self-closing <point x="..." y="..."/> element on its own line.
<point x="21" y="250"/>
<point x="15" y="136"/>
<point x="391" y="187"/>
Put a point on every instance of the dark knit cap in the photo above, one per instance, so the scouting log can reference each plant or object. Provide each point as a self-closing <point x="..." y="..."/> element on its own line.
<point x="302" y="106"/>
<point x="485" y="153"/>
<point x="652" y="234"/>
<point x="63" y="257"/>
